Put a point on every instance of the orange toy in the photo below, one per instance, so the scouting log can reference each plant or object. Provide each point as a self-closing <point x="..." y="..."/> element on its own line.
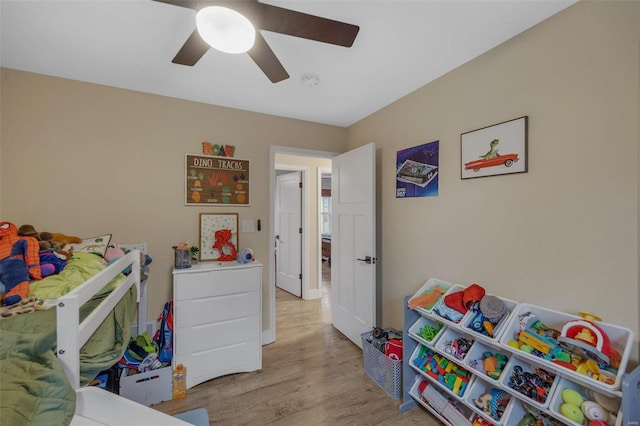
<point x="426" y="299"/>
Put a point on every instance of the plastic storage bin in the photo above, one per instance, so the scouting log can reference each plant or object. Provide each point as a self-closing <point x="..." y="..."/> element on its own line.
<point x="454" y="323"/>
<point x="428" y="288"/>
<point x="481" y="388"/>
<point x="587" y="395"/>
<point x="454" y="345"/>
<point x="450" y="377"/>
<point x="511" y="380"/>
<point x="386" y="372"/>
<point x="441" y="404"/>
<point x="500" y="327"/>
<point x="150" y="387"/>
<point x="415" y="331"/>
<point x="475" y="361"/>
<point x="621" y="340"/>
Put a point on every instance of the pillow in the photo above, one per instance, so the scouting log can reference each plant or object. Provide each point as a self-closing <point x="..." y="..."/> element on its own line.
<point x="95" y="245"/>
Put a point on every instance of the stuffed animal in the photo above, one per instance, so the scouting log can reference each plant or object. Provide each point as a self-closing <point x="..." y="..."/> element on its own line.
<point x="227" y="251"/>
<point x="52" y="258"/>
<point x="245" y="255"/>
<point x="65" y="239"/>
<point x="19" y="262"/>
<point x="8" y="237"/>
<point x="47" y="240"/>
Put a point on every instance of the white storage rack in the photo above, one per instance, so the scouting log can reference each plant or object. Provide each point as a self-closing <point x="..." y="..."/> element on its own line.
<point x="465" y="410"/>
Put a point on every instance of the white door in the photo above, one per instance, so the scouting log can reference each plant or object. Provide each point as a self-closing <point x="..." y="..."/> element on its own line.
<point x="289" y="237"/>
<point x="353" y="242"/>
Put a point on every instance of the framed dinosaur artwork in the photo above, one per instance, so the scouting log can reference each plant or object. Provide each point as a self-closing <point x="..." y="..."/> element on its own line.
<point x="218" y="236"/>
<point x="499" y="149"/>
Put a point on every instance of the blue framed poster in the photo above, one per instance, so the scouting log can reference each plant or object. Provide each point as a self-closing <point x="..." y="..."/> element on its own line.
<point x="417" y="171"/>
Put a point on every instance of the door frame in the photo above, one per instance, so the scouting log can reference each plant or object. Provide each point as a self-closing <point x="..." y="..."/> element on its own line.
<point x="321" y="171"/>
<point x="269" y="335"/>
<point x="304" y="223"/>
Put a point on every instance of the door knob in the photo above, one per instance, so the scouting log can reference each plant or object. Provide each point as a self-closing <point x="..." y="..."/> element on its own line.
<point x="368" y="260"/>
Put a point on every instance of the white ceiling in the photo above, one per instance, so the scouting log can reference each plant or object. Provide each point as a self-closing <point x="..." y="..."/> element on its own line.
<point x="401" y="46"/>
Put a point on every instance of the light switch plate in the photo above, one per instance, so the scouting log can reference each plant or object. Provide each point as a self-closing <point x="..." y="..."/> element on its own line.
<point x="248" y="226"/>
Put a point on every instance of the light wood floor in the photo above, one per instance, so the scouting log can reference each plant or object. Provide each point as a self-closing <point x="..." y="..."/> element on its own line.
<point x="311" y="375"/>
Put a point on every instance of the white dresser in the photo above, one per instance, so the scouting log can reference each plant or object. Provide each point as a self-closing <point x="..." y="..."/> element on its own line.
<point x="217" y="319"/>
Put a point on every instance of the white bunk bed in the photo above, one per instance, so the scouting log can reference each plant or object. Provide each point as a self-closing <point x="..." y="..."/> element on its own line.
<point x="95" y="406"/>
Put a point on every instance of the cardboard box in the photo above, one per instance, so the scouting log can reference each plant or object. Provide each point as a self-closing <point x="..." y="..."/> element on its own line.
<point x="151" y="387"/>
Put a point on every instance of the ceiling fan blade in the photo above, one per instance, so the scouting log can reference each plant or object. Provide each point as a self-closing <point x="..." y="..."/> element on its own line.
<point x="264" y="57"/>
<point x="191" y="51"/>
<point x="183" y="3"/>
<point x="298" y="24"/>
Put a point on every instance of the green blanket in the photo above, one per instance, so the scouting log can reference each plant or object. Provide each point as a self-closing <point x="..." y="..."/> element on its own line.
<point x="33" y="387"/>
<point x="80" y="268"/>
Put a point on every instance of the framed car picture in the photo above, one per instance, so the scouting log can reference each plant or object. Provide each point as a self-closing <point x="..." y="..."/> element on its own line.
<point x="499" y="149"/>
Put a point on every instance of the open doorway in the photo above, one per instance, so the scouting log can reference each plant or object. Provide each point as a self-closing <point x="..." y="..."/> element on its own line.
<point x="309" y="163"/>
<point x="354" y="288"/>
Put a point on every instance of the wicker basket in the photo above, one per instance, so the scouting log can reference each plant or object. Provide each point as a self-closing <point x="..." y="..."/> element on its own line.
<point x="386" y="372"/>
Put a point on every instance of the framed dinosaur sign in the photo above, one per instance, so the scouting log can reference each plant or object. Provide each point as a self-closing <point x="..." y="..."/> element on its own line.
<point x="499" y="149"/>
<point x="216" y="181"/>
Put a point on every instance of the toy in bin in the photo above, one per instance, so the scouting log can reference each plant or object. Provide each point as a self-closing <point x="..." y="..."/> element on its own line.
<point x="493" y="403"/>
<point x="581" y="346"/>
<point x="598" y="409"/>
<point x="587" y="340"/>
<point x="388" y="341"/>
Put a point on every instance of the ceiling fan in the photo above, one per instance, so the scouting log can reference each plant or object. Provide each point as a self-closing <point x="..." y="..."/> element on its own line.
<point x="269" y="18"/>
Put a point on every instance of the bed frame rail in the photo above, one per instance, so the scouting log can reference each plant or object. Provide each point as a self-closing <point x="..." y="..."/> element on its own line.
<point x="71" y="338"/>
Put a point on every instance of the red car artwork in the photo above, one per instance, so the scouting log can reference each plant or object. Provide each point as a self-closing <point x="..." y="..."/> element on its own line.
<point x="507" y="160"/>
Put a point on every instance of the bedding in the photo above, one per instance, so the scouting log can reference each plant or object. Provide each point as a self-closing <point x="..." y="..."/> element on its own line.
<point x="34" y="388"/>
<point x="80" y="268"/>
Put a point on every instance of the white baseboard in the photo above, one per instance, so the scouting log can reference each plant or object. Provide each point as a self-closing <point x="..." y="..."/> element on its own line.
<point x="313" y="294"/>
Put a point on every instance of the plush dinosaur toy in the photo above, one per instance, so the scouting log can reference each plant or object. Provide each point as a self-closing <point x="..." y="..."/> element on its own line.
<point x="227" y="251"/>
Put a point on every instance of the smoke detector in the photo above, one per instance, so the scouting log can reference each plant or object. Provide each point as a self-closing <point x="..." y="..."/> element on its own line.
<point x="310" y="81"/>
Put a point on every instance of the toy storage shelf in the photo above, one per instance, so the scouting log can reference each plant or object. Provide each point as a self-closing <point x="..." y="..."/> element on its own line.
<point x="431" y="398"/>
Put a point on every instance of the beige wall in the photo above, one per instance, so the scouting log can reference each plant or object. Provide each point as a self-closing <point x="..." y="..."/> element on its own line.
<point x="563" y="235"/>
<point x="85" y="159"/>
<point x="312" y="165"/>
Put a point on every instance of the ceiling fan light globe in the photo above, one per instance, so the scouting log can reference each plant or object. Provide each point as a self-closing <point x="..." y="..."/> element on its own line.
<point x="225" y="29"/>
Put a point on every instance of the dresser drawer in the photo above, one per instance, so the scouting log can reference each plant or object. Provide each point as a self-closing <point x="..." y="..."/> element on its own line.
<point x="205" y="365"/>
<point x="206" y="310"/>
<point x="216" y="335"/>
<point x="200" y="284"/>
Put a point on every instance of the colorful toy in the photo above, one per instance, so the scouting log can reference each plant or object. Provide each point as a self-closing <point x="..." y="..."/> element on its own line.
<point x="427" y="299"/>
<point x="457" y="348"/>
<point x="576" y="408"/>
<point x="428" y="333"/>
<point x="442" y="370"/>
<point x="493" y="403"/>
<point x="534" y="385"/>
<point x="245" y="255"/>
<point x="587" y="340"/>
